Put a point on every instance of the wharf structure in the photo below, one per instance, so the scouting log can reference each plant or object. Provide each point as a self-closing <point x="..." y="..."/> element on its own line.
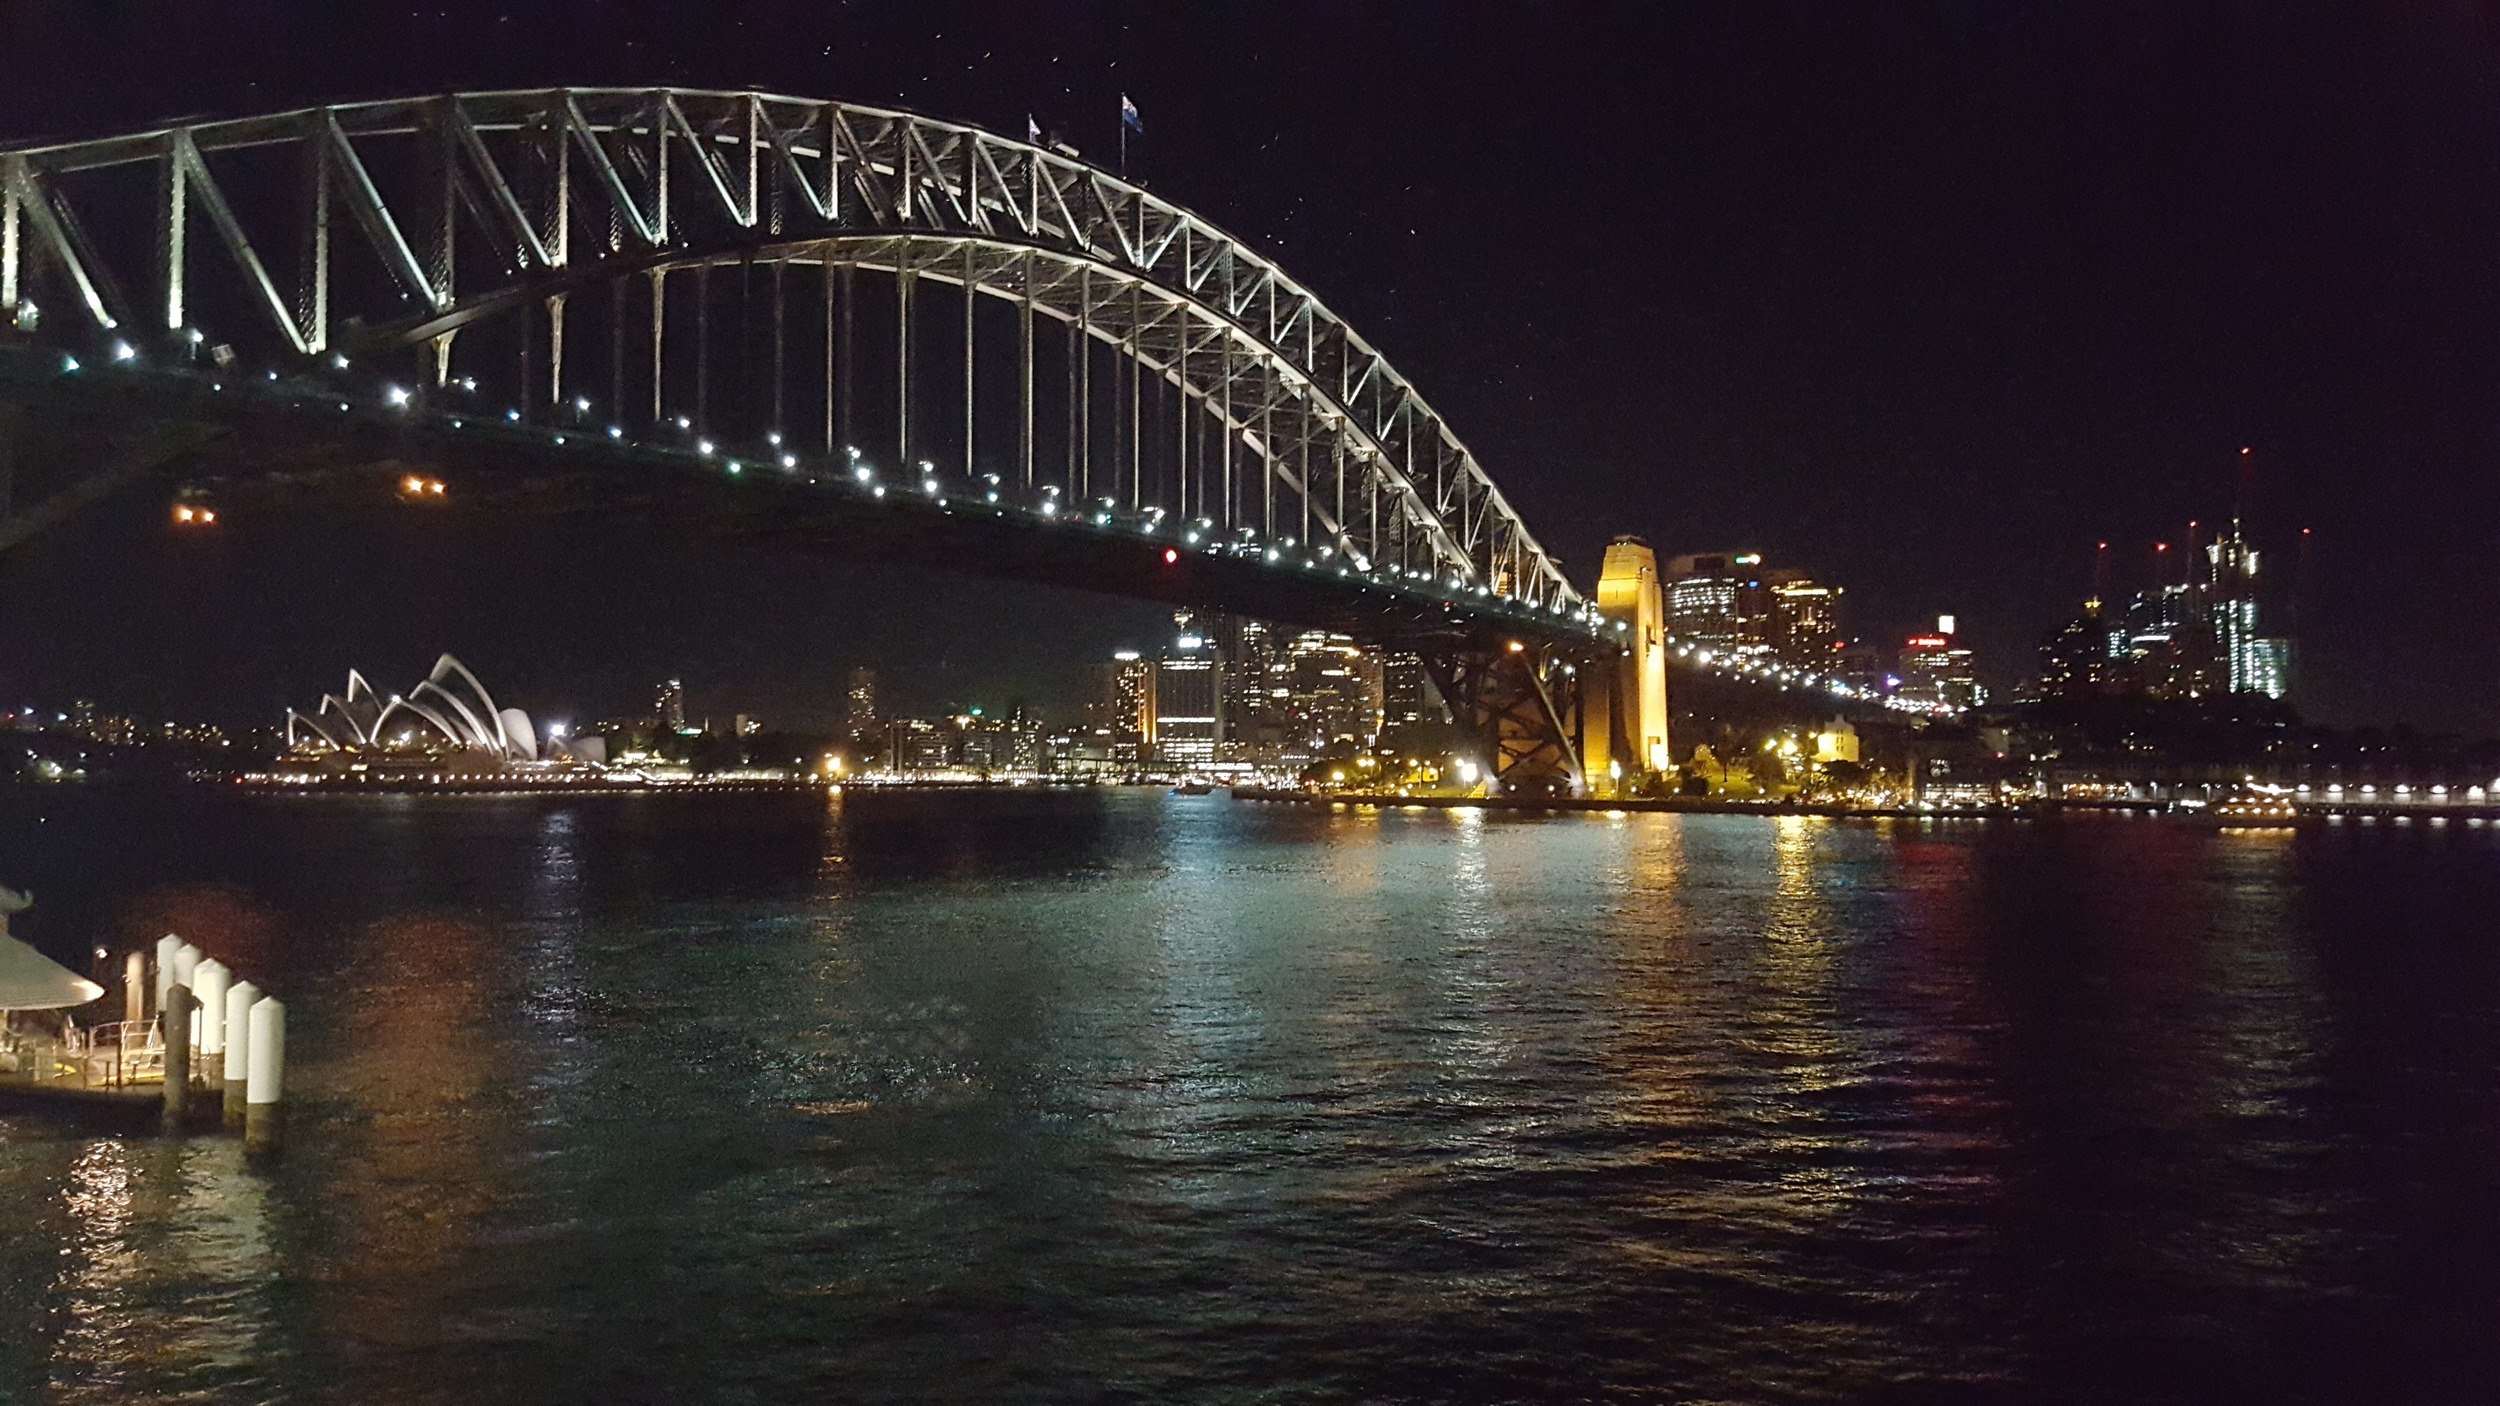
<point x="195" y="1047"/>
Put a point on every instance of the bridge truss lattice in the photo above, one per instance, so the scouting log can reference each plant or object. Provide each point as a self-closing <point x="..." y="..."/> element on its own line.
<point x="778" y="282"/>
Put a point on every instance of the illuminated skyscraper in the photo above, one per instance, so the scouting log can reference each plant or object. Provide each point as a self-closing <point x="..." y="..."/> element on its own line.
<point x="2180" y="639"/>
<point x="1805" y="618"/>
<point x="669" y="705"/>
<point x="2079" y="661"/>
<point x="859" y="705"/>
<point x="1123" y="707"/>
<point x="1255" y="688"/>
<point x="917" y="744"/>
<point x="1333" y="694"/>
<point x="2168" y="645"/>
<point x="1188" y="696"/>
<point x="992" y="743"/>
<point x="2251" y="663"/>
<point x="1407" y="694"/>
<point x="1724" y="602"/>
<point x="1935" y="668"/>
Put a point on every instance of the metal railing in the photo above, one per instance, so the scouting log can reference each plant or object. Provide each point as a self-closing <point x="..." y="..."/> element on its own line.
<point x="116" y="1055"/>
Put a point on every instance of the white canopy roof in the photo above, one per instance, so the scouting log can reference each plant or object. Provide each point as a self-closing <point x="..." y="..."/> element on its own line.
<point x="29" y="980"/>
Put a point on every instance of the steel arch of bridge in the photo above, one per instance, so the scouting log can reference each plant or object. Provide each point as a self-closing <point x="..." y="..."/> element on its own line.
<point x="420" y="220"/>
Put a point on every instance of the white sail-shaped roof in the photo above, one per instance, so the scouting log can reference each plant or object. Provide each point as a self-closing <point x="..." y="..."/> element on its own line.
<point x="450" y="702"/>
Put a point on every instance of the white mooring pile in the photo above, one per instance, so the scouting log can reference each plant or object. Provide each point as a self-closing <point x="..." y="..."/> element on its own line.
<point x="220" y="1031"/>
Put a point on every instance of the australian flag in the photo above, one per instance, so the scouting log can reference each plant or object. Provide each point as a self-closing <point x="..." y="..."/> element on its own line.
<point x="1129" y="117"/>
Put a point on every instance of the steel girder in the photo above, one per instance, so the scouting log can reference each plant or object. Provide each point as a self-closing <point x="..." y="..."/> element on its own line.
<point x="1520" y="708"/>
<point x="464" y="204"/>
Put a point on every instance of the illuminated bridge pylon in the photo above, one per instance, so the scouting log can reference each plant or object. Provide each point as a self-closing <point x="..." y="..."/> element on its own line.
<point x="827" y="323"/>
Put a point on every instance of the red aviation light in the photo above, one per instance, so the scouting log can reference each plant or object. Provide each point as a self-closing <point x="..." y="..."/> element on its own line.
<point x="1171" y="555"/>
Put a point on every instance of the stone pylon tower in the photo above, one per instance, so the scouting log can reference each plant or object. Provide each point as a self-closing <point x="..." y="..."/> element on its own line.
<point x="1626" y="712"/>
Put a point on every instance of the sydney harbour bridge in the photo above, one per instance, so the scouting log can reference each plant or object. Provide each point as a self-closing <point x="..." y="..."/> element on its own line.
<point x="811" y="324"/>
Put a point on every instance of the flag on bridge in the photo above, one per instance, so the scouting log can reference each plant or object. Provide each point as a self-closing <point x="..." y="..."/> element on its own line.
<point x="1129" y="117"/>
<point x="1032" y="130"/>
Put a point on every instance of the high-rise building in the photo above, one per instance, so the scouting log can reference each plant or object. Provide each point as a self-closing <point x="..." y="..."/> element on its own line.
<point x="1721" y="601"/>
<point x="2078" y="661"/>
<point x="1701" y="592"/>
<point x="917" y="744"/>
<point x="668" y="705"/>
<point x="2166" y="643"/>
<point x="1255" y="688"/>
<point x="1122" y="709"/>
<point x="993" y="743"/>
<point x="2178" y="639"/>
<point x="1333" y="694"/>
<point x="1805" y="618"/>
<point x="1031" y="748"/>
<point x="1935" y="668"/>
<point x="1862" y="665"/>
<point x="1188" y="696"/>
<point x="2252" y="663"/>
<point x="859" y="705"/>
<point x="1407" y="694"/>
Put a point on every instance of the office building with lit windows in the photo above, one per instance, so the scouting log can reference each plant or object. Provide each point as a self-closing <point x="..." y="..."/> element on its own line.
<point x="1122" y="709"/>
<point x="1717" y="600"/>
<point x="859" y="705"/>
<point x="1188" y="697"/>
<point x="2197" y="638"/>
<point x="1937" y="668"/>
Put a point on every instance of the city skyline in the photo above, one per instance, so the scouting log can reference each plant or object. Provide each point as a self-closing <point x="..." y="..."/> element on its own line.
<point x="1344" y="699"/>
<point x="1968" y="514"/>
<point x="1739" y="604"/>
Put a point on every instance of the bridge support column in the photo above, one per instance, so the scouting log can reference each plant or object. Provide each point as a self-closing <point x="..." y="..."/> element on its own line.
<point x="1602" y="744"/>
<point x="1626" y="737"/>
<point x="1519" y="707"/>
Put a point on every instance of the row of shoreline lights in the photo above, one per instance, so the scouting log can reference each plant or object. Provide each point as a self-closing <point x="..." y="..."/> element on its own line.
<point x="2402" y="791"/>
<point x="1199" y="533"/>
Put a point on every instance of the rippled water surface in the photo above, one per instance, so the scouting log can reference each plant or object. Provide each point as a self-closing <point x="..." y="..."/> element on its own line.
<point x="1133" y="1097"/>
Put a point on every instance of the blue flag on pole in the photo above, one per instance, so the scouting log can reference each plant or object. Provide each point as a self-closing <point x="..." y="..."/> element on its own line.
<point x="1032" y="130"/>
<point x="1129" y="117"/>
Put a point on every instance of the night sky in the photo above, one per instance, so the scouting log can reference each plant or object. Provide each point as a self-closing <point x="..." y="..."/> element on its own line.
<point x="1925" y="300"/>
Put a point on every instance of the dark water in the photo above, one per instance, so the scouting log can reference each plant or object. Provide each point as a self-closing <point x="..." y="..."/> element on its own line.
<point x="1131" y="1097"/>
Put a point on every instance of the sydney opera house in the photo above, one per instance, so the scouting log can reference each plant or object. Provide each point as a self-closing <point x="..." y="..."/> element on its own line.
<point x="449" y="722"/>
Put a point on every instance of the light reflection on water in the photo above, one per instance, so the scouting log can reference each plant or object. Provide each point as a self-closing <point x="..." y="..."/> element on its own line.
<point x="1148" y="1097"/>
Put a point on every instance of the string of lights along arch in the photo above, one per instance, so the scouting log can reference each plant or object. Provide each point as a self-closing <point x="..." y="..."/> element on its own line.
<point x="857" y="301"/>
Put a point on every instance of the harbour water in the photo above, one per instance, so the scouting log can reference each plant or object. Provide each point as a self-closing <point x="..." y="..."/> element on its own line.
<point x="1129" y="1097"/>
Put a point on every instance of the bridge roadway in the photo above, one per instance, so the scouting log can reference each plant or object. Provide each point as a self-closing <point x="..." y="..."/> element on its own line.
<point x="245" y="437"/>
